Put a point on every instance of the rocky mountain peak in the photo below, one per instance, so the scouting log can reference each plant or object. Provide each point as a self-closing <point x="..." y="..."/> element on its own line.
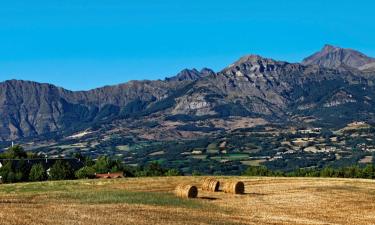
<point x="334" y="57"/>
<point x="254" y="60"/>
<point x="207" y="71"/>
<point x="191" y="74"/>
<point x="329" y="48"/>
<point x="253" y="64"/>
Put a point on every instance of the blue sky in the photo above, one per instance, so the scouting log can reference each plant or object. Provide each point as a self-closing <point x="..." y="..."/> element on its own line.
<point x="86" y="44"/>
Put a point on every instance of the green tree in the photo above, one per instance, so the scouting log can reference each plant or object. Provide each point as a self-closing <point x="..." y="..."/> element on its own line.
<point x="78" y="156"/>
<point x="196" y="173"/>
<point x="172" y="172"/>
<point x="87" y="161"/>
<point x="61" y="171"/>
<point x="11" y="177"/>
<point x="151" y="170"/>
<point x="6" y="173"/>
<point x="327" y="172"/>
<point x="22" y="169"/>
<point x="37" y="173"/>
<point x="102" y="165"/>
<point x="258" y="171"/>
<point x="352" y="172"/>
<point x="369" y="171"/>
<point x="85" y="172"/>
<point x="14" y="171"/>
<point x="154" y="169"/>
<point x="15" y="152"/>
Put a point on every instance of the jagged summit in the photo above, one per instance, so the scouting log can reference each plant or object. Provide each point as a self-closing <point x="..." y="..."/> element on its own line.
<point x="333" y="57"/>
<point x="329" y="48"/>
<point x="253" y="64"/>
<point x="254" y="59"/>
<point x="191" y="74"/>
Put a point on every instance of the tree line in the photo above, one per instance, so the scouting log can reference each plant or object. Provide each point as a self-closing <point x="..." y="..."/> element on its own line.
<point x="355" y="171"/>
<point x="62" y="170"/>
<point x="17" y="169"/>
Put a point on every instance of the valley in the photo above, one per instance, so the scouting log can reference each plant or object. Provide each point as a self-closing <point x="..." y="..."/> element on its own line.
<point x="256" y="111"/>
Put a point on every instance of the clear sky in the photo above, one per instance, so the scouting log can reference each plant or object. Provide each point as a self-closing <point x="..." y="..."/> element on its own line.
<point x="83" y="44"/>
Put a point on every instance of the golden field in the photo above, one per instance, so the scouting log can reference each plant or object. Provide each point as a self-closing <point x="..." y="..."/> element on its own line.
<point x="151" y="201"/>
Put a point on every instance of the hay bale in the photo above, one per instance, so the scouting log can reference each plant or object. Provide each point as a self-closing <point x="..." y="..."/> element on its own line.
<point x="210" y="184"/>
<point x="234" y="187"/>
<point x="186" y="191"/>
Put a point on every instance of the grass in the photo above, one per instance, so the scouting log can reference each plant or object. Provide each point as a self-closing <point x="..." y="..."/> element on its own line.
<point x="231" y="157"/>
<point x="123" y="147"/>
<point x="198" y="156"/>
<point x="117" y="196"/>
<point x="151" y="201"/>
<point x="256" y="162"/>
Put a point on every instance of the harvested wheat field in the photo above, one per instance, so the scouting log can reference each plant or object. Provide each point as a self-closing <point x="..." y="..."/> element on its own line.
<point x="152" y="201"/>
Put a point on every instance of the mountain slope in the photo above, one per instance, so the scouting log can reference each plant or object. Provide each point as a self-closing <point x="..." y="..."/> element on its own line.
<point x="191" y="75"/>
<point x="334" y="57"/>
<point x="30" y="108"/>
<point x="326" y="86"/>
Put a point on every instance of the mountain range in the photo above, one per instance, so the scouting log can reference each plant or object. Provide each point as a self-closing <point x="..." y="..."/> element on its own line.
<point x="329" y="88"/>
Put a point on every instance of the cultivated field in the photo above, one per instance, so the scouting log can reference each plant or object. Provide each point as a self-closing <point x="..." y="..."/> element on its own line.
<point x="151" y="201"/>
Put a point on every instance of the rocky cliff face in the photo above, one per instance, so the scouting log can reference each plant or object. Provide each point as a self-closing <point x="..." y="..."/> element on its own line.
<point x="324" y="86"/>
<point x="30" y="108"/>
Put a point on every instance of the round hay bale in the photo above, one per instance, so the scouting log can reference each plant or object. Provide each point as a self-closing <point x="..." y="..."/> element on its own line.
<point x="210" y="184"/>
<point x="234" y="187"/>
<point x="186" y="191"/>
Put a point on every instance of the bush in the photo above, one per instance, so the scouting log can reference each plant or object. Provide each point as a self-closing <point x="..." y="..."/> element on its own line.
<point x="9" y="174"/>
<point x="196" y="173"/>
<point x="172" y="172"/>
<point x="85" y="172"/>
<point x="60" y="171"/>
<point x="153" y="169"/>
<point x="37" y="173"/>
<point x="102" y="165"/>
<point x="15" y="152"/>
<point x="258" y="171"/>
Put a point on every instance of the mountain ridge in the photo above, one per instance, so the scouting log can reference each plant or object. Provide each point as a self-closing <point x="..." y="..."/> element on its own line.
<point x="334" y="57"/>
<point x="251" y="87"/>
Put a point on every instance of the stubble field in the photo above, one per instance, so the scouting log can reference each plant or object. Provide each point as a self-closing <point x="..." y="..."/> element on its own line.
<point x="151" y="201"/>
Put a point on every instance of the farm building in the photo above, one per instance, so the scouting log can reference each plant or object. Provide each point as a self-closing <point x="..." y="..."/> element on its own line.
<point x="109" y="175"/>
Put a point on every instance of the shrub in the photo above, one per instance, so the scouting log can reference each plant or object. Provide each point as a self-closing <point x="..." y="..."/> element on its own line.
<point x="196" y="173"/>
<point x="102" y="165"/>
<point x="37" y="173"/>
<point x="172" y="172"/>
<point x="60" y="171"/>
<point x="85" y="172"/>
<point x="15" y="152"/>
<point x="258" y="171"/>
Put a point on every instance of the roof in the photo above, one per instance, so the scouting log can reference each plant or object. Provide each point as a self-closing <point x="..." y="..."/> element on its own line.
<point x="109" y="175"/>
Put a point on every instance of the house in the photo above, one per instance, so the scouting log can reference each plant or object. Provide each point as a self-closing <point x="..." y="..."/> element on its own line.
<point x="109" y="175"/>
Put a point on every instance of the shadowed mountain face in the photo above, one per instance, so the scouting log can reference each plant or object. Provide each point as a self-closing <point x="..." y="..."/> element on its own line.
<point x="330" y="86"/>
